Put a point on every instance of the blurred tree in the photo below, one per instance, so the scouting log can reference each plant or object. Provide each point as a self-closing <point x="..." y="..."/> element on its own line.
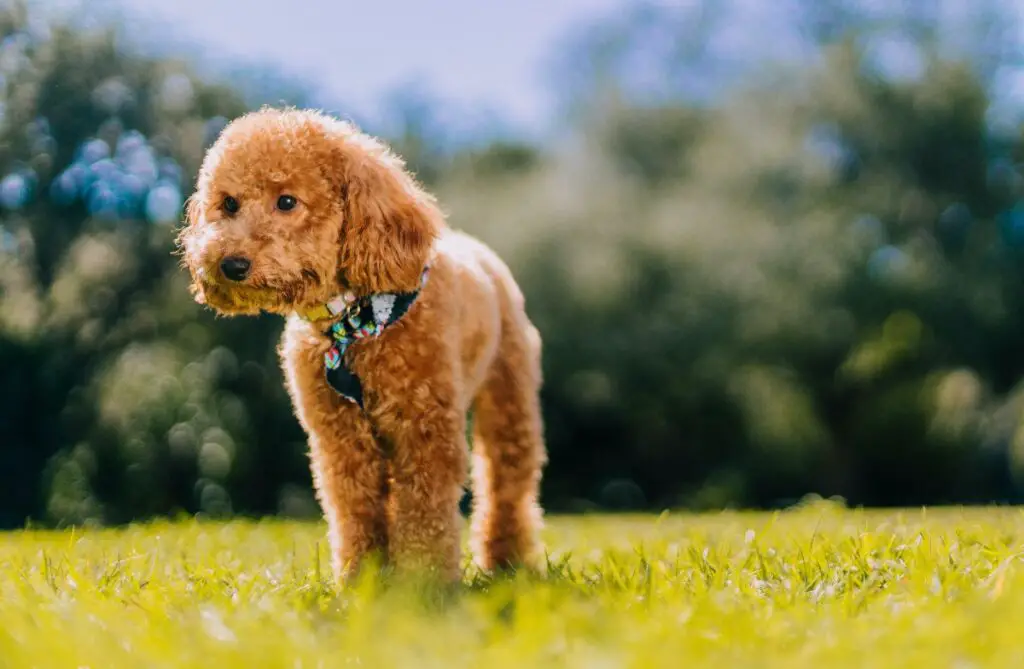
<point x="836" y="253"/>
<point x="755" y="278"/>
<point x="106" y="416"/>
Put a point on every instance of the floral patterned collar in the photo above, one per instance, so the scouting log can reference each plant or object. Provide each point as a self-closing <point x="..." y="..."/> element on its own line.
<point x="361" y="317"/>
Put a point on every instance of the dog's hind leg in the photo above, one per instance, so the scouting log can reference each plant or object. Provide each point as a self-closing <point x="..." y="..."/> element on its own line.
<point x="508" y="452"/>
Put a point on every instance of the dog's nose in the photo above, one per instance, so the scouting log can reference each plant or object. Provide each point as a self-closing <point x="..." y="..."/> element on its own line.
<point x="235" y="268"/>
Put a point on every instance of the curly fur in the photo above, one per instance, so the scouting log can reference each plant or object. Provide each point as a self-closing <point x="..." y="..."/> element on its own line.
<point x="390" y="480"/>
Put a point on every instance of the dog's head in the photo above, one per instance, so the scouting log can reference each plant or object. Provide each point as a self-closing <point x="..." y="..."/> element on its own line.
<point x="292" y="207"/>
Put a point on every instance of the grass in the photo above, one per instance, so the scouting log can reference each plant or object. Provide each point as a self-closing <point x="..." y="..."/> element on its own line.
<point x="815" y="586"/>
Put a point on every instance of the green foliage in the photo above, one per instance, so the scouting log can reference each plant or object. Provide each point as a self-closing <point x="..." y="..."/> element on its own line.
<point x="809" y="281"/>
<point x="811" y="288"/>
<point x="118" y="402"/>
<point x="809" y="587"/>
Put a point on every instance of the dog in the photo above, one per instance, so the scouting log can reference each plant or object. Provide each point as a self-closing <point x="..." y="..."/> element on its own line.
<point x="396" y="328"/>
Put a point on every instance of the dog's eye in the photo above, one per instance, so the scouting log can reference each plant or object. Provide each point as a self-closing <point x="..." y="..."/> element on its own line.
<point x="230" y="205"/>
<point x="286" y="203"/>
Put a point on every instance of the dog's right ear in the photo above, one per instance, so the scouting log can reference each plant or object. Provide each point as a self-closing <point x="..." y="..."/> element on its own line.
<point x="192" y="209"/>
<point x="390" y="222"/>
<point x="190" y="212"/>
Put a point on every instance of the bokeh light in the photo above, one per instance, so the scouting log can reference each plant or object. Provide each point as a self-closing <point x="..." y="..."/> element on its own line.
<point x="131" y="181"/>
<point x="16" y="190"/>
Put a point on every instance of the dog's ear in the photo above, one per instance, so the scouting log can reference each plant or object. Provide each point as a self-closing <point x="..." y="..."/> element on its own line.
<point x="192" y="210"/>
<point x="390" y="224"/>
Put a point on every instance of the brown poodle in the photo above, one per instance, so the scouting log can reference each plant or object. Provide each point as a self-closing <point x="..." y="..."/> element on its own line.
<point x="302" y="215"/>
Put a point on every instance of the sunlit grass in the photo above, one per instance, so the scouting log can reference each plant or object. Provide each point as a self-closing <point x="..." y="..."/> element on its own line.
<point x="817" y="586"/>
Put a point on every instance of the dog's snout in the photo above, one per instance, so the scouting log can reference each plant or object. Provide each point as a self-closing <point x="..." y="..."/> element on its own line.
<point x="235" y="268"/>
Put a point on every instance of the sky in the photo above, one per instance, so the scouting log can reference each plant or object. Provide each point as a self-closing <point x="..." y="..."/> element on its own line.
<point x="487" y="54"/>
<point x="481" y="61"/>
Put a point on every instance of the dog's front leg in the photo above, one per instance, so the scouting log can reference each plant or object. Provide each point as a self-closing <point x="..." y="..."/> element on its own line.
<point x="348" y="468"/>
<point x="429" y="466"/>
<point x="429" y="469"/>
<point x="349" y="475"/>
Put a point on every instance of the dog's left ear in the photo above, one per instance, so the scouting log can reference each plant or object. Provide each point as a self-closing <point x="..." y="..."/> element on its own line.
<point x="390" y="223"/>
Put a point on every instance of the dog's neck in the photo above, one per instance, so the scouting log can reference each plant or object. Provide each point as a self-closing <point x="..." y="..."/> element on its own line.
<point x="325" y="313"/>
<point x="328" y="310"/>
<point x="352" y="318"/>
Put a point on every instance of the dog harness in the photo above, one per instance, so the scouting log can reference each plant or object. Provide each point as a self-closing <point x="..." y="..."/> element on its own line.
<point x="362" y="317"/>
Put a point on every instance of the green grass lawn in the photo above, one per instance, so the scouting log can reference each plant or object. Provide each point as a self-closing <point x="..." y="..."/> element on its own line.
<point x="813" y="587"/>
